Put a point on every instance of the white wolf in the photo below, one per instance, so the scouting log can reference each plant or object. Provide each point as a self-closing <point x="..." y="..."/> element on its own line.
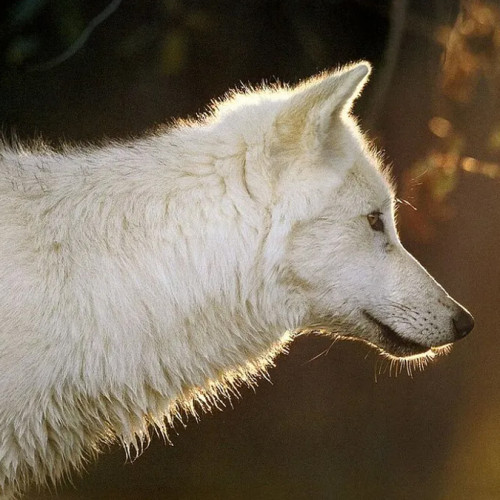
<point x="143" y="278"/>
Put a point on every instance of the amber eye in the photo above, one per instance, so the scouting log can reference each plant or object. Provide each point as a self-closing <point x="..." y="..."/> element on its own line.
<point x="376" y="223"/>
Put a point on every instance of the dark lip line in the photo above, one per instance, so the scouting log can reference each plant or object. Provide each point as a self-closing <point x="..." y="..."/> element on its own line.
<point x="394" y="337"/>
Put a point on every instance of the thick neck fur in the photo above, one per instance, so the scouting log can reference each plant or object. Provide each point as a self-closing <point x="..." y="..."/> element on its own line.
<point x="162" y="271"/>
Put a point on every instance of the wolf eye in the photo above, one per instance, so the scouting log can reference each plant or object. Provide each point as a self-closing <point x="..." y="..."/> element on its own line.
<point x="376" y="223"/>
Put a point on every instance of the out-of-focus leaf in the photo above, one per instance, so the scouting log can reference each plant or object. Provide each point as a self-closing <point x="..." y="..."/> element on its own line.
<point x="471" y="49"/>
<point x="21" y="49"/>
<point x="494" y="140"/>
<point x="490" y="169"/>
<point x="174" y="51"/>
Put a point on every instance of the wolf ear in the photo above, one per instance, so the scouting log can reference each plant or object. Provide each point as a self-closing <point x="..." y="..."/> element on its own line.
<point x="335" y="92"/>
<point x="315" y="105"/>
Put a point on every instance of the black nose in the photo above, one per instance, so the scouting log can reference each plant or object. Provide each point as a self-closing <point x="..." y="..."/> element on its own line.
<point x="463" y="322"/>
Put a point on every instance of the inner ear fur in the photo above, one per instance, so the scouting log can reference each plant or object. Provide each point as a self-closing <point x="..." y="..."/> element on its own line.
<point x="316" y="104"/>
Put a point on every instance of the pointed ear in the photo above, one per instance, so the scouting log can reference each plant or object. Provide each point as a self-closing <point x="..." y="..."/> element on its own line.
<point x="346" y="86"/>
<point x="316" y="104"/>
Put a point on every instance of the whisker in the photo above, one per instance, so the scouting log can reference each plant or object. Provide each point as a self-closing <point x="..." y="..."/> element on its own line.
<point x="405" y="202"/>
<point x="323" y="353"/>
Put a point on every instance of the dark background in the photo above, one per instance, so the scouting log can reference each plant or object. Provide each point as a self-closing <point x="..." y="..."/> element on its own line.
<point x="332" y="427"/>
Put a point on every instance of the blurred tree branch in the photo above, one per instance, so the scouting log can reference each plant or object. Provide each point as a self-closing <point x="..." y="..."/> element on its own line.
<point x="80" y="41"/>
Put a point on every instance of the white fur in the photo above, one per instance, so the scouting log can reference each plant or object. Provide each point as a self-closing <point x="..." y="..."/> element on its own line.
<point x="141" y="278"/>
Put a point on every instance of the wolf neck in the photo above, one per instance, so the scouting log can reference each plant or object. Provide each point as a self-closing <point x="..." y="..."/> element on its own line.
<point x="161" y="264"/>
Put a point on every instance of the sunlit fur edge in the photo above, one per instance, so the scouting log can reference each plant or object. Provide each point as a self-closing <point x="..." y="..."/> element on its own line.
<point x="396" y="363"/>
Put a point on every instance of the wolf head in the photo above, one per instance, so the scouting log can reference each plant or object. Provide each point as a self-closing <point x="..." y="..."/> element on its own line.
<point x="332" y="239"/>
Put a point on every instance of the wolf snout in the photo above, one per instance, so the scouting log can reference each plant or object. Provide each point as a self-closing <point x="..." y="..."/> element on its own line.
<point x="463" y="323"/>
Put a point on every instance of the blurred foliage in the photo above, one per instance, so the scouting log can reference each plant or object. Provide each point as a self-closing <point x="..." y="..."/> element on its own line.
<point x="464" y="133"/>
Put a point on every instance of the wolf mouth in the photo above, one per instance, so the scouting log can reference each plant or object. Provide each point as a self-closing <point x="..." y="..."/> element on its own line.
<point x="395" y="343"/>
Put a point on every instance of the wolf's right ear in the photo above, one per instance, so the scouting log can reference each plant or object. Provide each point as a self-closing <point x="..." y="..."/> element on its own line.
<point x="315" y="105"/>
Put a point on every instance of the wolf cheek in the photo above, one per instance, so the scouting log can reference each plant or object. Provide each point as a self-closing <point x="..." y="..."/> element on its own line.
<point x="357" y="278"/>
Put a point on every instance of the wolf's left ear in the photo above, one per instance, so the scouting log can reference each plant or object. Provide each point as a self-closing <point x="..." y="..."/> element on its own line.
<point x="344" y="87"/>
<point x="318" y="102"/>
<point x="337" y="91"/>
